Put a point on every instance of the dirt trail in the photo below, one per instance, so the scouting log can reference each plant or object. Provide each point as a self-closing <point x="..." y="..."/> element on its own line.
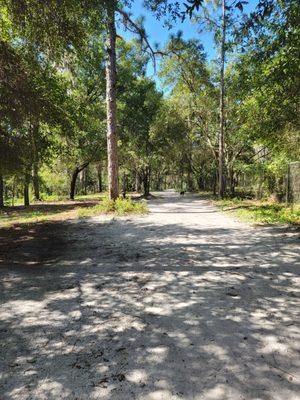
<point x="185" y="303"/>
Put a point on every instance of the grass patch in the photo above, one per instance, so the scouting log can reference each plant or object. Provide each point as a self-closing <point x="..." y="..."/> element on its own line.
<point x="261" y="211"/>
<point x="86" y="206"/>
<point x="27" y="215"/>
<point x="92" y="196"/>
<point x="53" y="198"/>
<point x="118" y="207"/>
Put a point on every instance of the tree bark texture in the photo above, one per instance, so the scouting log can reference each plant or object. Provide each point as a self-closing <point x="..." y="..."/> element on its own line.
<point x="76" y="171"/>
<point x="35" y="164"/>
<point x="26" y="189"/>
<point x="146" y="180"/>
<point x="221" y="110"/>
<point x="99" y="172"/>
<point x="1" y="192"/>
<point x="111" y="103"/>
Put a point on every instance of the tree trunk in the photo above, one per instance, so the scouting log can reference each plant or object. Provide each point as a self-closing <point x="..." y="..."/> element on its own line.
<point x="159" y="182"/>
<point x="215" y="183"/>
<point x="13" y="192"/>
<point x="111" y="103"/>
<point x="137" y="182"/>
<point x="221" y="110"/>
<point x="260" y="189"/>
<point x="146" y="186"/>
<point x="232" y="182"/>
<point x="1" y="192"/>
<point x="35" y="182"/>
<point x="73" y="183"/>
<point x="124" y="185"/>
<point x="189" y="180"/>
<point x="201" y="181"/>
<point x="84" y="181"/>
<point x="35" y="156"/>
<point x="146" y="181"/>
<point x="74" y="179"/>
<point x="26" y="189"/>
<point x="99" y="172"/>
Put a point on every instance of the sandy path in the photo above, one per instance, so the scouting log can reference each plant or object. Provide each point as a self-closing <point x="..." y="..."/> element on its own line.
<point x="184" y="303"/>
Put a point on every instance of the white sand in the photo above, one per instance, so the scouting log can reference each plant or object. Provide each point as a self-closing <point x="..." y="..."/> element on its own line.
<point x="185" y="303"/>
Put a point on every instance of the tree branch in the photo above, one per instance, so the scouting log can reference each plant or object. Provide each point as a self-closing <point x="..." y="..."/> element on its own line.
<point x="139" y="30"/>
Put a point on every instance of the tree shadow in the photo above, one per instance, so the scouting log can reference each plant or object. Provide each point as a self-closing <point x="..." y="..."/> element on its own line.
<point x="160" y="312"/>
<point x="57" y="206"/>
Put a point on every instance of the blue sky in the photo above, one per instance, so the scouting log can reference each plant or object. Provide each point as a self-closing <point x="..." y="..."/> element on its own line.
<point x="157" y="33"/>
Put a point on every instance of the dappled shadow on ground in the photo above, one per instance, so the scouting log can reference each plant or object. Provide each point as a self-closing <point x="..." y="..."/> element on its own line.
<point x="51" y="206"/>
<point x="28" y="244"/>
<point x="129" y="309"/>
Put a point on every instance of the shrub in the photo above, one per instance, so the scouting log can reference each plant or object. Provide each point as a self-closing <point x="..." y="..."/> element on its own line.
<point x="119" y="207"/>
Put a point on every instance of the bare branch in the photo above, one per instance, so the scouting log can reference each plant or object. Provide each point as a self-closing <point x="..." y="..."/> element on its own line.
<point x="133" y="27"/>
<point x="139" y="30"/>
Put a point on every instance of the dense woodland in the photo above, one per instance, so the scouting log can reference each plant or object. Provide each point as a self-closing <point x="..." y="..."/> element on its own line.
<point x="80" y="114"/>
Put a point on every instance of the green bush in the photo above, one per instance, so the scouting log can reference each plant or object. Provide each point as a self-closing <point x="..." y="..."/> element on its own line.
<point x="55" y="182"/>
<point x="260" y="211"/>
<point x="119" y="207"/>
<point x="127" y="206"/>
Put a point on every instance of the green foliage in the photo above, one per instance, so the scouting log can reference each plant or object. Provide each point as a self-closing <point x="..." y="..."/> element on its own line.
<point x="53" y="112"/>
<point x="119" y="207"/>
<point x="262" y="212"/>
<point x="55" y="181"/>
<point x="269" y="73"/>
<point x="53" y="26"/>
